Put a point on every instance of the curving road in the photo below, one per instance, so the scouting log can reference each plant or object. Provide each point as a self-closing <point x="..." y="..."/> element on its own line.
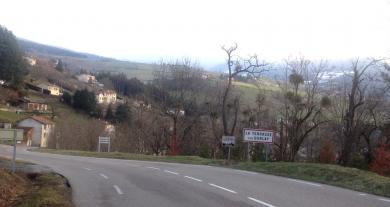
<point x="111" y="182"/>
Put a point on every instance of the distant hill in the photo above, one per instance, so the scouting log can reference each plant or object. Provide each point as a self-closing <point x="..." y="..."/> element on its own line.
<point x="76" y="61"/>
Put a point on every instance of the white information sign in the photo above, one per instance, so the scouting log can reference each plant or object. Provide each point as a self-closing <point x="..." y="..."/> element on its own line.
<point x="258" y="135"/>
<point x="104" y="140"/>
<point x="228" y="140"/>
<point x="8" y="134"/>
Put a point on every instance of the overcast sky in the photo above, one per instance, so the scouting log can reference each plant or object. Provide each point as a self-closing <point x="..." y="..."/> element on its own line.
<point x="147" y="30"/>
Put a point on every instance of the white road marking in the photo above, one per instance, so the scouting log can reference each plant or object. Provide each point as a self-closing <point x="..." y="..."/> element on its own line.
<point x="385" y="200"/>
<point x="167" y="171"/>
<point x="103" y="175"/>
<point x="196" y="179"/>
<point x="154" y="168"/>
<point x="118" y="190"/>
<point x="247" y="172"/>
<point x="304" y="182"/>
<point x="261" y="202"/>
<point x="362" y="194"/>
<point x="220" y="187"/>
<point x="85" y="168"/>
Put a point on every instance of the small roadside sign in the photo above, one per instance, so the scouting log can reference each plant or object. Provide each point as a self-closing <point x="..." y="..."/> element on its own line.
<point x="228" y="140"/>
<point x="12" y="134"/>
<point x="8" y="134"/>
<point x="104" y="140"/>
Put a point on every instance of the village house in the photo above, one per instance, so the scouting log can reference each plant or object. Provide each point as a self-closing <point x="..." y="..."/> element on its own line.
<point x="31" y="61"/>
<point x="42" y="129"/>
<point x="33" y="105"/>
<point x="5" y="125"/>
<point x="51" y="89"/>
<point x="106" y="97"/>
<point x="142" y="104"/>
<point x="86" y="78"/>
<point x="27" y="135"/>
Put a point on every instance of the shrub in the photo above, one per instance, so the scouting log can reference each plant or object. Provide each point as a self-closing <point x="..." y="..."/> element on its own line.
<point x="381" y="162"/>
<point x="327" y="154"/>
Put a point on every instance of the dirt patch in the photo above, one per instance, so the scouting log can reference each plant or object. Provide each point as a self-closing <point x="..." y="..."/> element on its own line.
<point x="33" y="186"/>
<point x="12" y="187"/>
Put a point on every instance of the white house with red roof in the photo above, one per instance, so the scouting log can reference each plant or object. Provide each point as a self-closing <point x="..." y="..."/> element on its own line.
<point x="42" y="130"/>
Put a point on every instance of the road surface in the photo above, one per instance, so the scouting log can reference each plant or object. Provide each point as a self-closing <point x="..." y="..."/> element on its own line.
<point x="112" y="182"/>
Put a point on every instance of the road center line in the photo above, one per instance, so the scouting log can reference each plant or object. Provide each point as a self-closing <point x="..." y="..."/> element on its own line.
<point x="220" y="187"/>
<point x="167" y="171"/>
<point x="261" y="202"/>
<point x="196" y="179"/>
<point x="87" y="168"/>
<point x="154" y="168"/>
<point x="385" y="200"/>
<point x="304" y="182"/>
<point x="118" y="190"/>
<point x="103" y="175"/>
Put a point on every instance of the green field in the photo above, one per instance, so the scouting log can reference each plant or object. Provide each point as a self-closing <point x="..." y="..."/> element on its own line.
<point x="12" y="117"/>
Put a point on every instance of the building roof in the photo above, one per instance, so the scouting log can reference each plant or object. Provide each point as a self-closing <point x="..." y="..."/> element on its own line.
<point x="46" y="86"/>
<point x="42" y="120"/>
<point x="106" y="92"/>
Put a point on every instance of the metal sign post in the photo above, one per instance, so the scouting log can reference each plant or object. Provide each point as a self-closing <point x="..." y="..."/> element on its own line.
<point x="104" y="140"/>
<point x="228" y="141"/>
<point x="14" y="135"/>
<point x="14" y="154"/>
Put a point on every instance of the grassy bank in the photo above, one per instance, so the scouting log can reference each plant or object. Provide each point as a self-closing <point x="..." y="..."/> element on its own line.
<point x="345" y="177"/>
<point x="351" y="178"/>
<point x="33" y="189"/>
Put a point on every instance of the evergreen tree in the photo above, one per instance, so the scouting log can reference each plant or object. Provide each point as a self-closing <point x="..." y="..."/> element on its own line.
<point x="12" y="64"/>
<point x="67" y="98"/>
<point x="109" y="114"/>
<point x="123" y="113"/>
<point x="85" y="101"/>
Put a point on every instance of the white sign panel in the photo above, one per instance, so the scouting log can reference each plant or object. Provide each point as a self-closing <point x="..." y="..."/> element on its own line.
<point x="8" y="134"/>
<point x="104" y="140"/>
<point x="258" y="135"/>
<point x="228" y="140"/>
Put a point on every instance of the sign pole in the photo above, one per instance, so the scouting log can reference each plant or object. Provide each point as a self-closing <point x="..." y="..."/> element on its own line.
<point x="266" y="152"/>
<point x="14" y="154"/>
<point x="228" y="152"/>
<point x="109" y="144"/>
<point x="99" y="145"/>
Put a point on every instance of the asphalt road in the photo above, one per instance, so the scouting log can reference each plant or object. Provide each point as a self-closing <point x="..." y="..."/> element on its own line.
<point x="110" y="182"/>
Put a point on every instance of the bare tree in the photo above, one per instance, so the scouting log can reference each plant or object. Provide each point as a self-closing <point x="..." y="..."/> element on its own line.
<point x="303" y="106"/>
<point x="179" y="85"/>
<point x="356" y="108"/>
<point x="236" y="66"/>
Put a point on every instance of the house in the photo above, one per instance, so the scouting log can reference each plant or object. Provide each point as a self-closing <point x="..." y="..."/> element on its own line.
<point x="106" y="97"/>
<point x="31" y="61"/>
<point x="142" y="104"/>
<point x="109" y="130"/>
<point x="5" y="125"/>
<point x="42" y="128"/>
<point x="51" y="89"/>
<point x="86" y="78"/>
<point x="27" y="135"/>
<point x="33" y="105"/>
